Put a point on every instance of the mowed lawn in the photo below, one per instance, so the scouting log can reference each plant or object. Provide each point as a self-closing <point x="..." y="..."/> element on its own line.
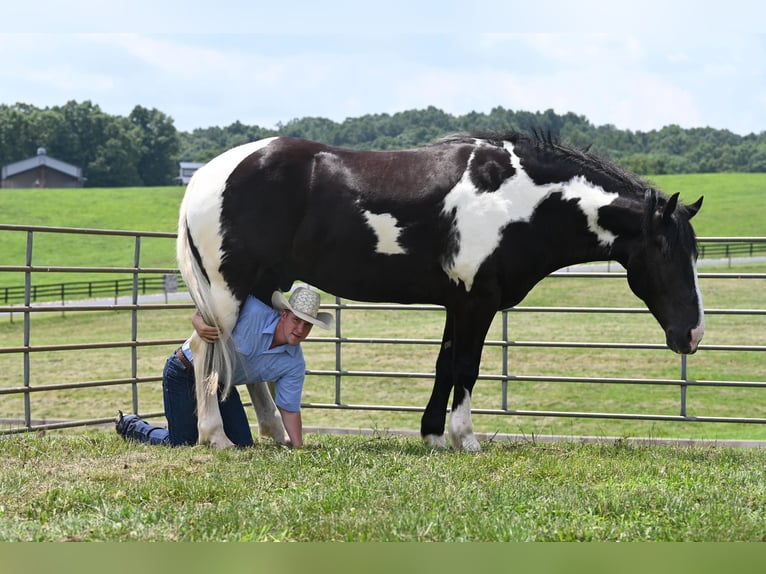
<point x="95" y="487"/>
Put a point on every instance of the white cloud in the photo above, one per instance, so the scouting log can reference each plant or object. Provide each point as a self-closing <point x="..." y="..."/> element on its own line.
<point x="634" y="82"/>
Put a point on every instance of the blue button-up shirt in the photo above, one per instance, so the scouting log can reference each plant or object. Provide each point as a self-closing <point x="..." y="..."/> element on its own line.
<point x="255" y="362"/>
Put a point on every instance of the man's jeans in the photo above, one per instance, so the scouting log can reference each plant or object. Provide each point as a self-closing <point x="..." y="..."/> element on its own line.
<point x="180" y="410"/>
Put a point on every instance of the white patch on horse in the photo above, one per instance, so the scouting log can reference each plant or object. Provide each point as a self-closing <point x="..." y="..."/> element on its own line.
<point x="201" y="209"/>
<point x="386" y="229"/>
<point x="591" y="198"/>
<point x="461" y="427"/>
<point x="480" y="218"/>
<point x="699" y="331"/>
<point x="206" y="189"/>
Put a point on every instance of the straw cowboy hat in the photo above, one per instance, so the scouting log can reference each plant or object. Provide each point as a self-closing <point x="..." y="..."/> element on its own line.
<point x="304" y="303"/>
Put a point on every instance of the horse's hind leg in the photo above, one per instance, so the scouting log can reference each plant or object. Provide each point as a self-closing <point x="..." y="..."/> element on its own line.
<point x="209" y="422"/>
<point x="269" y="420"/>
<point x="211" y="364"/>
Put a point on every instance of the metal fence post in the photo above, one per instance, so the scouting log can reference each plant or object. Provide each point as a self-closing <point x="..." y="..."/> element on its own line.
<point x="683" y="387"/>
<point x="504" y="385"/>
<point x="338" y="349"/>
<point x="134" y="322"/>
<point x="27" y="330"/>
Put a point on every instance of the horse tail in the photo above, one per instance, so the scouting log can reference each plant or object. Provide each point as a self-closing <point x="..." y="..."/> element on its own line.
<point x="212" y="361"/>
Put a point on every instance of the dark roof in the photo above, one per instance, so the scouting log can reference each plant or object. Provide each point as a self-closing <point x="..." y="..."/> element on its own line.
<point x="41" y="159"/>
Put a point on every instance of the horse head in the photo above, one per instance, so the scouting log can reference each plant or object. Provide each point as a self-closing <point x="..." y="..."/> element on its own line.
<point x="661" y="265"/>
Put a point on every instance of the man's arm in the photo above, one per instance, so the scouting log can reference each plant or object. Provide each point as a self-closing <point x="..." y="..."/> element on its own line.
<point x="293" y="425"/>
<point x="206" y="332"/>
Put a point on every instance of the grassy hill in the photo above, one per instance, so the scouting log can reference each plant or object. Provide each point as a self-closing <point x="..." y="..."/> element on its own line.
<point x="134" y="208"/>
<point x="735" y="203"/>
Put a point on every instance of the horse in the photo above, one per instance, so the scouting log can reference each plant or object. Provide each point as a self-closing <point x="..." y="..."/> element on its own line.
<point x="470" y="222"/>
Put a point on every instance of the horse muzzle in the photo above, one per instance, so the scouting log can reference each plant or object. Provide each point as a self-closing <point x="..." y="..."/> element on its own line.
<point x="684" y="342"/>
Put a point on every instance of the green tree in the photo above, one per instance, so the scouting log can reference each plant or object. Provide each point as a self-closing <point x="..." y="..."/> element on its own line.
<point x="117" y="160"/>
<point x="158" y="146"/>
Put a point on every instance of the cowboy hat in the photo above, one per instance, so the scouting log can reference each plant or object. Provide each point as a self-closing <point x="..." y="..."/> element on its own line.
<point x="304" y="303"/>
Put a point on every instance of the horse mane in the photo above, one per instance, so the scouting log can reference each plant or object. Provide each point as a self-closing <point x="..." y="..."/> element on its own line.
<point x="547" y="141"/>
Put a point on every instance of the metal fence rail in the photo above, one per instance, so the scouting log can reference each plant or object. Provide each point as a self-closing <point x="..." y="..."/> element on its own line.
<point x="27" y="351"/>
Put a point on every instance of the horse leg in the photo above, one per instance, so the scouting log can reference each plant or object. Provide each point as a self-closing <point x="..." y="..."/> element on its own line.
<point x="457" y="368"/>
<point x="471" y="326"/>
<point x="209" y="422"/>
<point x="432" y="422"/>
<point x="211" y="362"/>
<point x="470" y="332"/>
<point x="269" y="420"/>
<point x="460" y="423"/>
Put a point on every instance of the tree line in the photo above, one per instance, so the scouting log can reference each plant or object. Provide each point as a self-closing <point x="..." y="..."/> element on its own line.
<point x="144" y="148"/>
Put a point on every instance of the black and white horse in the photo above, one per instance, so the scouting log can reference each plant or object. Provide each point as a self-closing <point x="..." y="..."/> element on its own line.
<point x="471" y="223"/>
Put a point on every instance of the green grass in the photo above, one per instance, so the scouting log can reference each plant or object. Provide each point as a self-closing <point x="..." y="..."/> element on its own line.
<point x="133" y="208"/>
<point x="137" y="209"/>
<point x="734" y="202"/>
<point x="383" y="488"/>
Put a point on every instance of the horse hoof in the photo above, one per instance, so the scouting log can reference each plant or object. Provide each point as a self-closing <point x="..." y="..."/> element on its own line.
<point x="217" y="441"/>
<point x="435" y="441"/>
<point x="470" y="444"/>
<point x="221" y="445"/>
<point x="467" y="443"/>
<point x="276" y="432"/>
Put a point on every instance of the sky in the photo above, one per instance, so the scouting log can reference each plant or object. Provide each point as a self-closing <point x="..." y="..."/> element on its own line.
<point x="635" y="65"/>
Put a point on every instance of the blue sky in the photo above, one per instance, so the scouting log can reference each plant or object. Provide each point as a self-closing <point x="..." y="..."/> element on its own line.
<point x="635" y="65"/>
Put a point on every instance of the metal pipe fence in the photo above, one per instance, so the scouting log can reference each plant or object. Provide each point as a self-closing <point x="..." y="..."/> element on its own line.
<point x="19" y="383"/>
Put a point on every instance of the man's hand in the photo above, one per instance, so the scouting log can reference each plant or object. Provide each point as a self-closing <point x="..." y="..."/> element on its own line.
<point x="207" y="333"/>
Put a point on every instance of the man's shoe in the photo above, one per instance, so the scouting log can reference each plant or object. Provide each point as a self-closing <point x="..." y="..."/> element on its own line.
<point x="134" y="428"/>
<point x="122" y="424"/>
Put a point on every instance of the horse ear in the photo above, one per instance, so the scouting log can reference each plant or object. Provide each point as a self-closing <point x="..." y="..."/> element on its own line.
<point x="694" y="207"/>
<point x="670" y="207"/>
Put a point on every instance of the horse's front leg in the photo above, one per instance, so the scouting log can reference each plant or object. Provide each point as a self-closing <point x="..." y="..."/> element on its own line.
<point x="435" y="415"/>
<point x="209" y="422"/>
<point x="465" y="365"/>
<point x="457" y="368"/>
<point x="269" y="419"/>
<point x="461" y="432"/>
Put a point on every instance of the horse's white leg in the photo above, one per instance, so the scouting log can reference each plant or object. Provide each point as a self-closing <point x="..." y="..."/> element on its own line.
<point x="435" y="441"/>
<point x="269" y="419"/>
<point x="461" y="427"/>
<point x="209" y="422"/>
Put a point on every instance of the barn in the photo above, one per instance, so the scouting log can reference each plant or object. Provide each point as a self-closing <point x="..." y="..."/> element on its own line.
<point x="41" y="171"/>
<point x="186" y="170"/>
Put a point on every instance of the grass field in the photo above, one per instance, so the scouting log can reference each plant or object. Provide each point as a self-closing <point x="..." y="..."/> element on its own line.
<point x="95" y="487"/>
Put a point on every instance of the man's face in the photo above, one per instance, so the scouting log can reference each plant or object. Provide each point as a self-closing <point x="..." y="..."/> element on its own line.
<point x="293" y="329"/>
